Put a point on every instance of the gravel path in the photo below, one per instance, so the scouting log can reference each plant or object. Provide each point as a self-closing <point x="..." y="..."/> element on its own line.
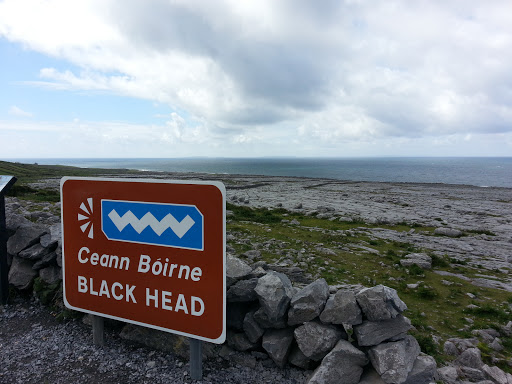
<point x="36" y="348"/>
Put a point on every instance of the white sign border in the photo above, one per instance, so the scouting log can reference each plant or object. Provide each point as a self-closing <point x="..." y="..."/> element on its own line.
<point x="221" y="187"/>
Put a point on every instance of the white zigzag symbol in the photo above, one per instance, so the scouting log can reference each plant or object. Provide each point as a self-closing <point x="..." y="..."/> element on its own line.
<point x="179" y="228"/>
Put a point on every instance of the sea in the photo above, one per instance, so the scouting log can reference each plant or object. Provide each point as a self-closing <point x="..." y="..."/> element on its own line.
<point x="476" y="171"/>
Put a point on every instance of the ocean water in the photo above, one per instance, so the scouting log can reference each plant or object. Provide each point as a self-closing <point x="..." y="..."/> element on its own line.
<point x="478" y="171"/>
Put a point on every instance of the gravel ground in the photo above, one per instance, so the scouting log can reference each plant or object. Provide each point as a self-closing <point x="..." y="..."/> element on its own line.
<point x="36" y="348"/>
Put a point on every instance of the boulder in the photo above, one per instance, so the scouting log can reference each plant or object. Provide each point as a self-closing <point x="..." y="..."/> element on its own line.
<point x="45" y="261"/>
<point x="242" y="291"/>
<point x="274" y="292"/>
<point x="252" y="254"/>
<point x="277" y="343"/>
<point x="423" y="371"/>
<point x="496" y="374"/>
<point x="50" y="275"/>
<point x="13" y="221"/>
<point x="422" y="260"/>
<point x="471" y="374"/>
<point x="471" y="357"/>
<point x="395" y="360"/>
<point x="34" y="252"/>
<point x="343" y="365"/>
<point x="315" y="339"/>
<point x="450" y="232"/>
<point x="374" y="332"/>
<point x="449" y="348"/>
<point x="308" y="303"/>
<point x="47" y="242"/>
<point x="236" y="269"/>
<point x="21" y="274"/>
<point x="26" y="235"/>
<point x="264" y="322"/>
<point x="447" y="374"/>
<point x="239" y="341"/>
<point x="342" y="308"/>
<point x="251" y="328"/>
<point x="380" y="303"/>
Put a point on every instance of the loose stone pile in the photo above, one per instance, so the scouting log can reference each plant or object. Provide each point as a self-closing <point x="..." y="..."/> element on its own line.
<point x="307" y="328"/>
<point x="33" y="250"/>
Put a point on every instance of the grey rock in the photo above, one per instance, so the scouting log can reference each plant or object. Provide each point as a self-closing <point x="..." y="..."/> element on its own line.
<point x="496" y="345"/>
<point x="472" y="374"/>
<point x="495" y="374"/>
<point x="463" y="344"/>
<point x="308" y="303"/>
<point x="239" y="341"/>
<point x="47" y="241"/>
<point x="380" y="303"/>
<point x="13" y="221"/>
<point x="252" y="254"/>
<point x="51" y="275"/>
<point x="298" y="358"/>
<point x="343" y="365"/>
<point x="448" y="374"/>
<point x="450" y="232"/>
<point x="449" y="348"/>
<point x="471" y="357"/>
<point x="394" y="361"/>
<point x="21" y="274"/>
<point x="242" y="291"/>
<point x="34" y="252"/>
<point x="236" y="269"/>
<point x="26" y="235"/>
<point x="374" y="332"/>
<point x="315" y="339"/>
<point x="258" y="272"/>
<point x="422" y="260"/>
<point x="277" y="343"/>
<point x="45" y="261"/>
<point x="274" y="292"/>
<point x="251" y="328"/>
<point x="264" y="322"/>
<point x="56" y="233"/>
<point x="423" y="371"/>
<point x="295" y="274"/>
<point x="342" y="308"/>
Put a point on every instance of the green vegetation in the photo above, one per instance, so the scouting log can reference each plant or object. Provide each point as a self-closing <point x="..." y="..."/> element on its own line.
<point x="31" y="173"/>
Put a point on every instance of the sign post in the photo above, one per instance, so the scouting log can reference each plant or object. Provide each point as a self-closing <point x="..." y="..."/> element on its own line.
<point x="5" y="184"/>
<point x="148" y="252"/>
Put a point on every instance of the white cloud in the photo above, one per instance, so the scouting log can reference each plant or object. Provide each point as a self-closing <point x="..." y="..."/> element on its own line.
<point x="256" y="73"/>
<point x="18" y="112"/>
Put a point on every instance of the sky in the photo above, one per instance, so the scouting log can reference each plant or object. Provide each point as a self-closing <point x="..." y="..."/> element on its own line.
<point x="230" y="78"/>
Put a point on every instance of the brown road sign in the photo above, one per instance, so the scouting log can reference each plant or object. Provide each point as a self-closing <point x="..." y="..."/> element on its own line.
<point x="149" y="252"/>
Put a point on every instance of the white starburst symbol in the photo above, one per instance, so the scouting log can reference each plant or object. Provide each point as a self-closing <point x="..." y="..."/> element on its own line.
<point x="85" y="216"/>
